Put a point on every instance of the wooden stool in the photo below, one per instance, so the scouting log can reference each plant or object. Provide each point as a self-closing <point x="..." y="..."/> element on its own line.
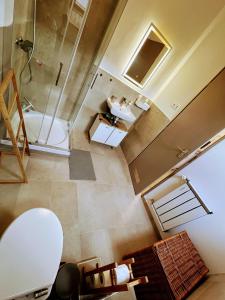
<point x="112" y="286"/>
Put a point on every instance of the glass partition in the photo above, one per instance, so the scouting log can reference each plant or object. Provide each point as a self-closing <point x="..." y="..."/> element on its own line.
<point x="54" y="45"/>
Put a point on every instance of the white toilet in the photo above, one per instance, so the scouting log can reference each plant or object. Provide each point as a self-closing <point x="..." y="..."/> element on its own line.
<point x="30" y="254"/>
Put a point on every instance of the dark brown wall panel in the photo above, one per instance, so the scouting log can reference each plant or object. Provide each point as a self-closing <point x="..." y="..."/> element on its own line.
<point x="198" y="122"/>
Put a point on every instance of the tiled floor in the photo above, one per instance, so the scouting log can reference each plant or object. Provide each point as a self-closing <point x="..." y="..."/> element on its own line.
<point x="99" y="218"/>
<point x="212" y="289"/>
<point x="112" y="221"/>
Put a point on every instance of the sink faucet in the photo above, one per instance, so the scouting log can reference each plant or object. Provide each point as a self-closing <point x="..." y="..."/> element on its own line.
<point x="123" y="101"/>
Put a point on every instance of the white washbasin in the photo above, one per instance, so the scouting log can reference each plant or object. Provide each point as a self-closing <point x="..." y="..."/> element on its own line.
<point x="122" y="112"/>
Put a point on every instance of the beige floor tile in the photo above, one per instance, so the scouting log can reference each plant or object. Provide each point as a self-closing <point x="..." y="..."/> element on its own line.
<point x="46" y="167"/>
<point x="9" y="167"/>
<point x="127" y="239"/>
<point x="96" y="206"/>
<point x="8" y="194"/>
<point x="79" y="140"/>
<point x="145" y="236"/>
<point x="8" y="198"/>
<point x="40" y="167"/>
<point x="119" y="172"/>
<point x="87" y="210"/>
<point x="112" y="244"/>
<point x="99" y="148"/>
<point x="97" y="243"/>
<point x="121" y="156"/>
<point x="71" y="244"/>
<point x="99" y="218"/>
<point x="131" y="207"/>
<point x="122" y="239"/>
<point x="102" y="168"/>
<point x="109" y="169"/>
<point x="31" y="195"/>
<point x="60" y="169"/>
<point x="63" y="202"/>
<point x="217" y="278"/>
<point x="212" y="288"/>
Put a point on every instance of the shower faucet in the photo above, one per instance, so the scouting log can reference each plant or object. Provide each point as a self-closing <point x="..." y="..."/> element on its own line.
<point x="26" y="45"/>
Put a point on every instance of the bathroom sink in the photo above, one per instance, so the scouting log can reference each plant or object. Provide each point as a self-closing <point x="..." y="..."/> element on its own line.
<point x="120" y="111"/>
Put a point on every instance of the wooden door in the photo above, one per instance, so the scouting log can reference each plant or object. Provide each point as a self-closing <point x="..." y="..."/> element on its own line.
<point x="198" y="122"/>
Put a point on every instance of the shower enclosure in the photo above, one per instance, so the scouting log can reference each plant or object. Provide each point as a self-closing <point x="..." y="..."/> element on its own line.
<point x="54" y="45"/>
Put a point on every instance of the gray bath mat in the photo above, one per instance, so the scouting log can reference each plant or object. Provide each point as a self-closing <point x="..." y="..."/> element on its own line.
<point x="81" y="165"/>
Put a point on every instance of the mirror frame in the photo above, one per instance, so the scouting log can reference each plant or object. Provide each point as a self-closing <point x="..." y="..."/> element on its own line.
<point x="155" y="65"/>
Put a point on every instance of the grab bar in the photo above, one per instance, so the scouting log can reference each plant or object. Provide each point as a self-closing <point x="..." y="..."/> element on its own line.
<point x="59" y="73"/>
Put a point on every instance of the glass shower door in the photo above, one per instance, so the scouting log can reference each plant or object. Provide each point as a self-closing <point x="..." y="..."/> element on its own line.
<point x="51" y="28"/>
<point x="57" y="126"/>
<point x="55" y="77"/>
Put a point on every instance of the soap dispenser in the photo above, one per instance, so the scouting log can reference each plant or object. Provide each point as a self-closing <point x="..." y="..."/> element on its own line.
<point x="143" y="102"/>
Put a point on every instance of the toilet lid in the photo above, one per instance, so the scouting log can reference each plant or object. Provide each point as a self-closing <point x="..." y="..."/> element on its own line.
<point x="30" y="253"/>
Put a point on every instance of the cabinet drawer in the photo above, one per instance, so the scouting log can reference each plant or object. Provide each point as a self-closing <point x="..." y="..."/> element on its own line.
<point x="102" y="133"/>
<point x="116" y="137"/>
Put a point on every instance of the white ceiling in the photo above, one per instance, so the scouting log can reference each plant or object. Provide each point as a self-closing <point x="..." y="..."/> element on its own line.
<point x="186" y="24"/>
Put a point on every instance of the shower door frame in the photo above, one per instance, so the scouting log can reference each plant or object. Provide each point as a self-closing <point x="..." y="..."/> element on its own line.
<point x="72" y="59"/>
<point x="62" y="89"/>
<point x="6" y="59"/>
<point x="89" y="78"/>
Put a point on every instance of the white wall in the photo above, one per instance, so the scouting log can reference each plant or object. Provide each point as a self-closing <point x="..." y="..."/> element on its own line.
<point x="207" y="175"/>
<point x="6" y="12"/>
<point x="203" y="62"/>
<point x="195" y="29"/>
<point x="104" y="86"/>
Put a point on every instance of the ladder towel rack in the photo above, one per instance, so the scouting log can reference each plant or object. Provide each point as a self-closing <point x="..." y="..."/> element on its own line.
<point x="180" y="206"/>
<point x="21" y="135"/>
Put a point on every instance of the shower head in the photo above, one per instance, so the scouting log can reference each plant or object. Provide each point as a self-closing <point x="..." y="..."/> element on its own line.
<point x="26" y="45"/>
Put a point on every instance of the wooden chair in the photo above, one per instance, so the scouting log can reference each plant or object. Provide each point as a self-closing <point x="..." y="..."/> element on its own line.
<point x="112" y="286"/>
<point x="6" y="111"/>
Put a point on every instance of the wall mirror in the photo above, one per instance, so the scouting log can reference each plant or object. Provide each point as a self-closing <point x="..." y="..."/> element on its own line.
<point x="148" y="56"/>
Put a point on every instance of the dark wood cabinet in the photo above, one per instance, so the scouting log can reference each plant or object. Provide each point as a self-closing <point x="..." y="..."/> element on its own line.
<point x="203" y="118"/>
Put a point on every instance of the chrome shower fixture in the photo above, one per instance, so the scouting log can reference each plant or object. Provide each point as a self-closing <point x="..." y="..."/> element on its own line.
<point x="26" y="45"/>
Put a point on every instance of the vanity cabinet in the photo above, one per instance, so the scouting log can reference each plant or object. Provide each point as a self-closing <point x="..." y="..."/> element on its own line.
<point x="116" y="137"/>
<point x="103" y="132"/>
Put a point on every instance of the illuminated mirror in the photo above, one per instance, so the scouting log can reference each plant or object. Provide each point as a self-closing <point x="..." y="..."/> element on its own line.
<point x="148" y="56"/>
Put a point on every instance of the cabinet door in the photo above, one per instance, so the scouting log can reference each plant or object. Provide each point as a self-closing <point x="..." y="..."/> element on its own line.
<point x="102" y="133"/>
<point x="203" y="118"/>
<point x="116" y="137"/>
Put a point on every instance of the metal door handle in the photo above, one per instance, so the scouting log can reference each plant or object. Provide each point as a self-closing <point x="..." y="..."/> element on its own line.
<point x="59" y="73"/>
<point x="93" y="83"/>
